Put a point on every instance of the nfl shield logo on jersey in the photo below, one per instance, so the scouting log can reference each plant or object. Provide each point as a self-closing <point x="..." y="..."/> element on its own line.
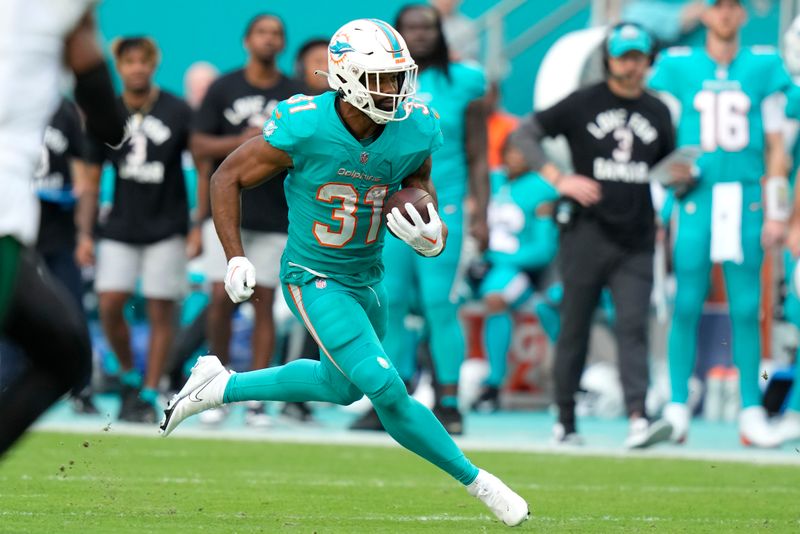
<point x="321" y="283"/>
<point x="364" y="158"/>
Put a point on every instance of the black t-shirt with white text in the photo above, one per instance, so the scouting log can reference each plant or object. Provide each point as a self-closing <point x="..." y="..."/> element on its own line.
<point x="150" y="200"/>
<point x="615" y="141"/>
<point x="232" y="105"/>
<point x="63" y="141"/>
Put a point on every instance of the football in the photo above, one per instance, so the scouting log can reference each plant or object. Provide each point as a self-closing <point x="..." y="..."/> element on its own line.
<point x="412" y="195"/>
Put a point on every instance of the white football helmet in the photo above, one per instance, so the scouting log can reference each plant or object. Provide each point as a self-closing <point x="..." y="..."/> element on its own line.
<point x="791" y="47"/>
<point x="362" y="51"/>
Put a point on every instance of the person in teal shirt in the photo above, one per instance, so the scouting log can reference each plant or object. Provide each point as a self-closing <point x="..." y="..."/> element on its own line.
<point x="523" y="240"/>
<point x="788" y="428"/>
<point x="346" y="151"/>
<point x="460" y="171"/>
<point x="729" y="108"/>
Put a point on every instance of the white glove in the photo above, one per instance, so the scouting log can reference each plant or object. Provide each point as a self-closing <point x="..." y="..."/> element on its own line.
<point x="240" y="279"/>
<point x="425" y="238"/>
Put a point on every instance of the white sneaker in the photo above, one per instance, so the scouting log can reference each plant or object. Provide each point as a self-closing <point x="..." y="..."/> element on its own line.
<point x="256" y="415"/>
<point x="679" y="417"/>
<point x="755" y="430"/>
<point x="643" y="434"/>
<point x="214" y="416"/>
<point x="509" y="507"/>
<point x="562" y="439"/>
<point x="788" y="429"/>
<point x="204" y="390"/>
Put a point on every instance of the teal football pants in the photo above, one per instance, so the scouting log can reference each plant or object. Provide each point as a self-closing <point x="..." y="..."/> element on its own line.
<point x="348" y="323"/>
<point x="742" y="281"/>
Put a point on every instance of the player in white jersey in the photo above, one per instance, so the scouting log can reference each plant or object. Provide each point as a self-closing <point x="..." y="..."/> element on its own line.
<point x="39" y="39"/>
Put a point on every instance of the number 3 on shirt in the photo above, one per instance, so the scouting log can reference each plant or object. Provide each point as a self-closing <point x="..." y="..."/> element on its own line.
<point x="347" y="197"/>
<point x="723" y="120"/>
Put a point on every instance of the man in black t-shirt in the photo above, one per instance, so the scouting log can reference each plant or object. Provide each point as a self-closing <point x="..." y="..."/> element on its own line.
<point x="616" y="132"/>
<point x="235" y="109"/>
<point x="144" y="234"/>
<point x="62" y="158"/>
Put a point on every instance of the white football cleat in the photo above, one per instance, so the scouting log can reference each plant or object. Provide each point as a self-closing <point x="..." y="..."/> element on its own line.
<point x="509" y="507"/>
<point x="788" y="429"/>
<point x="755" y="430"/>
<point x="678" y="415"/>
<point x="642" y="433"/>
<point x="204" y="390"/>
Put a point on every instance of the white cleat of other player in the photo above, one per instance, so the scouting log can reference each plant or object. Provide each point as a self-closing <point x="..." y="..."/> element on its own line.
<point x="755" y="430"/>
<point x="509" y="507"/>
<point x="203" y="391"/>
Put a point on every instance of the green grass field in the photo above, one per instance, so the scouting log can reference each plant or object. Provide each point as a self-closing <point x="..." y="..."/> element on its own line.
<point x="54" y="483"/>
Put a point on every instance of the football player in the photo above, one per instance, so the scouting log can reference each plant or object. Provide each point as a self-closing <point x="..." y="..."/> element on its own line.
<point x="460" y="169"/>
<point x="788" y="428"/>
<point x="42" y="37"/>
<point x="346" y="152"/>
<point x="730" y="108"/>
<point x="523" y="241"/>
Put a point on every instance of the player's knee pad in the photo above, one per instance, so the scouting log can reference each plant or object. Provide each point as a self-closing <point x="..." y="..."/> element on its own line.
<point x="379" y="381"/>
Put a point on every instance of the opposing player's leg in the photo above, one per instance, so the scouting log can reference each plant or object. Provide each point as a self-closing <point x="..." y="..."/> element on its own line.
<point x="42" y="318"/>
<point x="692" y="269"/>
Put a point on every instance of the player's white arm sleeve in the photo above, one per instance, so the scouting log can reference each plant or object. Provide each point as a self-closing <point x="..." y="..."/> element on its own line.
<point x="425" y="238"/>
<point x="528" y="140"/>
<point x="773" y="113"/>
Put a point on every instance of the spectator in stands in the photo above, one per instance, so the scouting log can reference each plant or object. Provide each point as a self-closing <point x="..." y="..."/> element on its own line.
<point x="460" y="31"/>
<point x="616" y="132"/>
<point x="312" y="57"/>
<point x="234" y="109"/>
<point x="59" y="178"/>
<point x="144" y="235"/>
<point x="196" y="81"/>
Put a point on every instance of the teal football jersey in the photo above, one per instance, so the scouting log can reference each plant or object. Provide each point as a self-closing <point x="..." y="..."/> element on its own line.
<point x="721" y="106"/>
<point x="450" y="98"/>
<point x="338" y="185"/>
<point x="522" y="233"/>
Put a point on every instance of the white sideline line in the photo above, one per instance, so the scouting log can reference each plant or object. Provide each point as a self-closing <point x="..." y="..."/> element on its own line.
<point x="323" y="436"/>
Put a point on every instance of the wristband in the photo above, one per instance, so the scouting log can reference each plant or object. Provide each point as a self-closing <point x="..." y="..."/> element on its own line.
<point x="776" y="199"/>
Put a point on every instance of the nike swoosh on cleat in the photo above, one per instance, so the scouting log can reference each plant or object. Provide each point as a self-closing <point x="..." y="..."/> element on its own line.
<point x="193" y="396"/>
